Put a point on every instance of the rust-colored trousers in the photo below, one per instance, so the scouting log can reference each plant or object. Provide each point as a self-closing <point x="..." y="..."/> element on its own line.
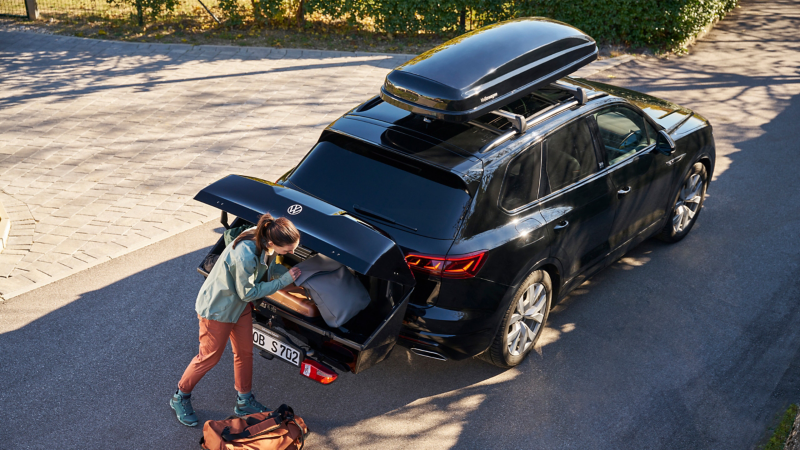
<point x="213" y="337"/>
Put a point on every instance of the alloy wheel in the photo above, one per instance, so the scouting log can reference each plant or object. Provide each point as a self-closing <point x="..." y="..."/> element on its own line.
<point x="527" y="319"/>
<point x="688" y="203"/>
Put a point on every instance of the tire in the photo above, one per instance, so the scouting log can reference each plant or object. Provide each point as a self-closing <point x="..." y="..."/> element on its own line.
<point x="527" y="314"/>
<point x="686" y="205"/>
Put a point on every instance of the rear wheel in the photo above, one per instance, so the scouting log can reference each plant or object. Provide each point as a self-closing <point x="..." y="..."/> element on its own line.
<point x="686" y="205"/>
<point x="523" y="321"/>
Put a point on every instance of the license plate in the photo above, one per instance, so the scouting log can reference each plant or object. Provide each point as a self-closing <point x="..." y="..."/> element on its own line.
<point x="273" y="343"/>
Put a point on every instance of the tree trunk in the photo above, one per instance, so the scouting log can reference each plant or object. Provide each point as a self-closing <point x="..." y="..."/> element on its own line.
<point x="256" y="11"/>
<point x="462" y="26"/>
<point x="140" y="12"/>
<point x="300" y="16"/>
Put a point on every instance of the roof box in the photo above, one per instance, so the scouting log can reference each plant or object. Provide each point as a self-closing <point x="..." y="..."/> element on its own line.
<point x="488" y="68"/>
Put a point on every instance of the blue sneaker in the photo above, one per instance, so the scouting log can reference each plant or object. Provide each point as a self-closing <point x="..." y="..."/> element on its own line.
<point x="248" y="405"/>
<point x="183" y="409"/>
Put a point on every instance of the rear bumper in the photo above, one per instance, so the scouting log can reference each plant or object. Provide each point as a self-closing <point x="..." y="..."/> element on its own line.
<point x="454" y="334"/>
<point x="462" y="321"/>
<point x="451" y="346"/>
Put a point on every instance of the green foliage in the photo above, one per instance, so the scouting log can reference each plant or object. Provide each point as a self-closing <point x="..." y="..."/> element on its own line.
<point x="781" y="433"/>
<point x="651" y="23"/>
<point x="234" y="11"/>
<point x="151" y="8"/>
<point x="271" y="10"/>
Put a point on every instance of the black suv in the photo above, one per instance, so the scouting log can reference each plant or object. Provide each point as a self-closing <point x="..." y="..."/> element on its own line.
<point x="477" y="189"/>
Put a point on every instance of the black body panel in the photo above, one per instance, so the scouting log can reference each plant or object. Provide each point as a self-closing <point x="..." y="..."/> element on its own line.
<point x="324" y="228"/>
<point x="488" y="68"/>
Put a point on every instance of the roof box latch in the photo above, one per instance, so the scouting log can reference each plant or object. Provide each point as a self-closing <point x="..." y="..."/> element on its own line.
<point x="517" y="121"/>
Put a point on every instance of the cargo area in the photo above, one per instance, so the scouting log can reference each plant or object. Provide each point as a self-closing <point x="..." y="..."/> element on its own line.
<point x="358" y="344"/>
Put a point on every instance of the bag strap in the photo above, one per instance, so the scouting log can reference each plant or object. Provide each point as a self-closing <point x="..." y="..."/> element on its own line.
<point x="302" y="436"/>
<point x="255" y="426"/>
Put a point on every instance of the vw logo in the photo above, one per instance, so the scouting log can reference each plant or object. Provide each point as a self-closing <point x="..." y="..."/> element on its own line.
<point x="294" y="210"/>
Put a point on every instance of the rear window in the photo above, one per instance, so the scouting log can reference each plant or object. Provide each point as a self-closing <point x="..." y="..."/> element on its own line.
<point x="381" y="187"/>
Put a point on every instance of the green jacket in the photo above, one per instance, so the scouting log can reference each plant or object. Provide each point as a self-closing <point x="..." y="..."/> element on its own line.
<point x="235" y="280"/>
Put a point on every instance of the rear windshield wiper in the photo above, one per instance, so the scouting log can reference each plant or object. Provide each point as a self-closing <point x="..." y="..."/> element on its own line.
<point x="381" y="216"/>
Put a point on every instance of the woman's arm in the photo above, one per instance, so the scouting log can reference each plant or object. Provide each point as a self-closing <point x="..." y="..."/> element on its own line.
<point x="248" y="288"/>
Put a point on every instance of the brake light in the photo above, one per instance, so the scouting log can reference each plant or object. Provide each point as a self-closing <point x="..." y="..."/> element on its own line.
<point x="462" y="266"/>
<point x="317" y="371"/>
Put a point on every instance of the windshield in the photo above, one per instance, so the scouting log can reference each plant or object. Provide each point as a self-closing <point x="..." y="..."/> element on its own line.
<point x="382" y="187"/>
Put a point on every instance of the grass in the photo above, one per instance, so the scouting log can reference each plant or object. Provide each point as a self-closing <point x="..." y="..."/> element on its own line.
<point x="781" y="432"/>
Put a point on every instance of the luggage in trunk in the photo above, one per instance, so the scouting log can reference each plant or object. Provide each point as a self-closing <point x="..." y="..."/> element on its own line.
<point x="488" y="68"/>
<point x="375" y="259"/>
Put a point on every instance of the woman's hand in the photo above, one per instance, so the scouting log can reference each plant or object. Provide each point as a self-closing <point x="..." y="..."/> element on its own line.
<point x="295" y="273"/>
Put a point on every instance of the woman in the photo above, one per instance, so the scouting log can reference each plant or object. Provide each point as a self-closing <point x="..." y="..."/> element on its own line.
<point x="223" y="307"/>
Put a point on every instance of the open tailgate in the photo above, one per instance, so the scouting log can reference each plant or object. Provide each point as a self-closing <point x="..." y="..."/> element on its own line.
<point x="323" y="227"/>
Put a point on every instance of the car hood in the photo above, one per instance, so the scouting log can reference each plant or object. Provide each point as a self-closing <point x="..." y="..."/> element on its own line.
<point x="665" y="113"/>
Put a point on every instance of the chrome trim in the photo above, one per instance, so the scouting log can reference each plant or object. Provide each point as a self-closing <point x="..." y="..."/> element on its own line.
<point x="428" y="354"/>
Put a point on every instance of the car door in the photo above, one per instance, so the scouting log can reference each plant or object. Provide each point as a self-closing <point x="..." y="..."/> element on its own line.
<point x="578" y="200"/>
<point x="628" y="147"/>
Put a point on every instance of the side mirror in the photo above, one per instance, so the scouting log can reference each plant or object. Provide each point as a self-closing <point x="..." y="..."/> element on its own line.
<point x="664" y="143"/>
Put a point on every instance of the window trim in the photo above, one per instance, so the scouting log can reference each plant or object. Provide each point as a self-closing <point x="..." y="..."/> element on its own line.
<point x="599" y="140"/>
<point x="603" y="171"/>
<point x="537" y="143"/>
<point x="544" y="156"/>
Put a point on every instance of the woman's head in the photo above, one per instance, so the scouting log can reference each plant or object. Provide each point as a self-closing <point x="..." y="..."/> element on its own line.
<point x="278" y="234"/>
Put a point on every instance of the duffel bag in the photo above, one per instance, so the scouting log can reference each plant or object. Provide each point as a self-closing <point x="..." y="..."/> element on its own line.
<point x="276" y="430"/>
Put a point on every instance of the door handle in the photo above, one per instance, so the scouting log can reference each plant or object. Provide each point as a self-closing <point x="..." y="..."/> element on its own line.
<point x="561" y="226"/>
<point x="623" y="191"/>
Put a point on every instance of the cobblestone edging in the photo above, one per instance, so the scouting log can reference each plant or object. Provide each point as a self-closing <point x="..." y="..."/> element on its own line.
<point x="106" y="143"/>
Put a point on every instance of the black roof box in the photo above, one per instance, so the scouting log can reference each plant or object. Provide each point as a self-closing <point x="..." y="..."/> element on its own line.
<point x="488" y="68"/>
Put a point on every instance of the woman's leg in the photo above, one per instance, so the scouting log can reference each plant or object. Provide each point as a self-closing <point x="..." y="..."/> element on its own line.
<point x="213" y="337"/>
<point x="242" y="345"/>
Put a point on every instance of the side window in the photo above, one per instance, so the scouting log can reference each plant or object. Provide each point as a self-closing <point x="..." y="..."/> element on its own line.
<point x="569" y="155"/>
<point x="521" y="184"/>
<point x="622" y="131"/>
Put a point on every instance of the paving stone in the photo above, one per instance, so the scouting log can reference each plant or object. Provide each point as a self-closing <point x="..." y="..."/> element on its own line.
<point x="35" y="276"/>
<point x="51" y="239"/>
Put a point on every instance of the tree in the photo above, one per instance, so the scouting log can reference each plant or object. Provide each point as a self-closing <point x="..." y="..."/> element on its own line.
<point x="150" y="8"/>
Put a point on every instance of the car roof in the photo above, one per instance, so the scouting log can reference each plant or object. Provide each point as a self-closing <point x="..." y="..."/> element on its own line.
<point x="455" y="146"/>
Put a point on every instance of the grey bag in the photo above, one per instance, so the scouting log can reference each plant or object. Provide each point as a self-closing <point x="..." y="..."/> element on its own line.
<point x="336" y="292"/>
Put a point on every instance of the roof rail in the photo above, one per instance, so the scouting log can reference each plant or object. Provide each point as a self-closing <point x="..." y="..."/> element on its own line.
<point x="578" y="93"/>
<point x="518" y="122"/>
<point x="581" y="98"/>
<point x="547" y="113"/>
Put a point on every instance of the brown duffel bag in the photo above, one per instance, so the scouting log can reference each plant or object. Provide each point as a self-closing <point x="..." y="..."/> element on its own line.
<point x="276" y="430"/>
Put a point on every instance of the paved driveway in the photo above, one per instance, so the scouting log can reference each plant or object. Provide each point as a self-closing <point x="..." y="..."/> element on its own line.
<point x="693" y="345"/>
<point x="104" y="144"/>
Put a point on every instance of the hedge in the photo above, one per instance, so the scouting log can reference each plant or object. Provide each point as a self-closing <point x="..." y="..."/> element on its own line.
<point x="639" y="23"/>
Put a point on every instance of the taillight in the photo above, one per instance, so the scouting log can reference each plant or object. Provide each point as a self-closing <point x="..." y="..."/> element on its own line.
<point x="317" y="371"/>
<point x="462" y="266"/>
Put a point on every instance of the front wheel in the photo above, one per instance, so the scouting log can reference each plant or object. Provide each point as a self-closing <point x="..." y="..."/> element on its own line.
<point x="686" y="205"/>
<point x="523" y="322"/>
